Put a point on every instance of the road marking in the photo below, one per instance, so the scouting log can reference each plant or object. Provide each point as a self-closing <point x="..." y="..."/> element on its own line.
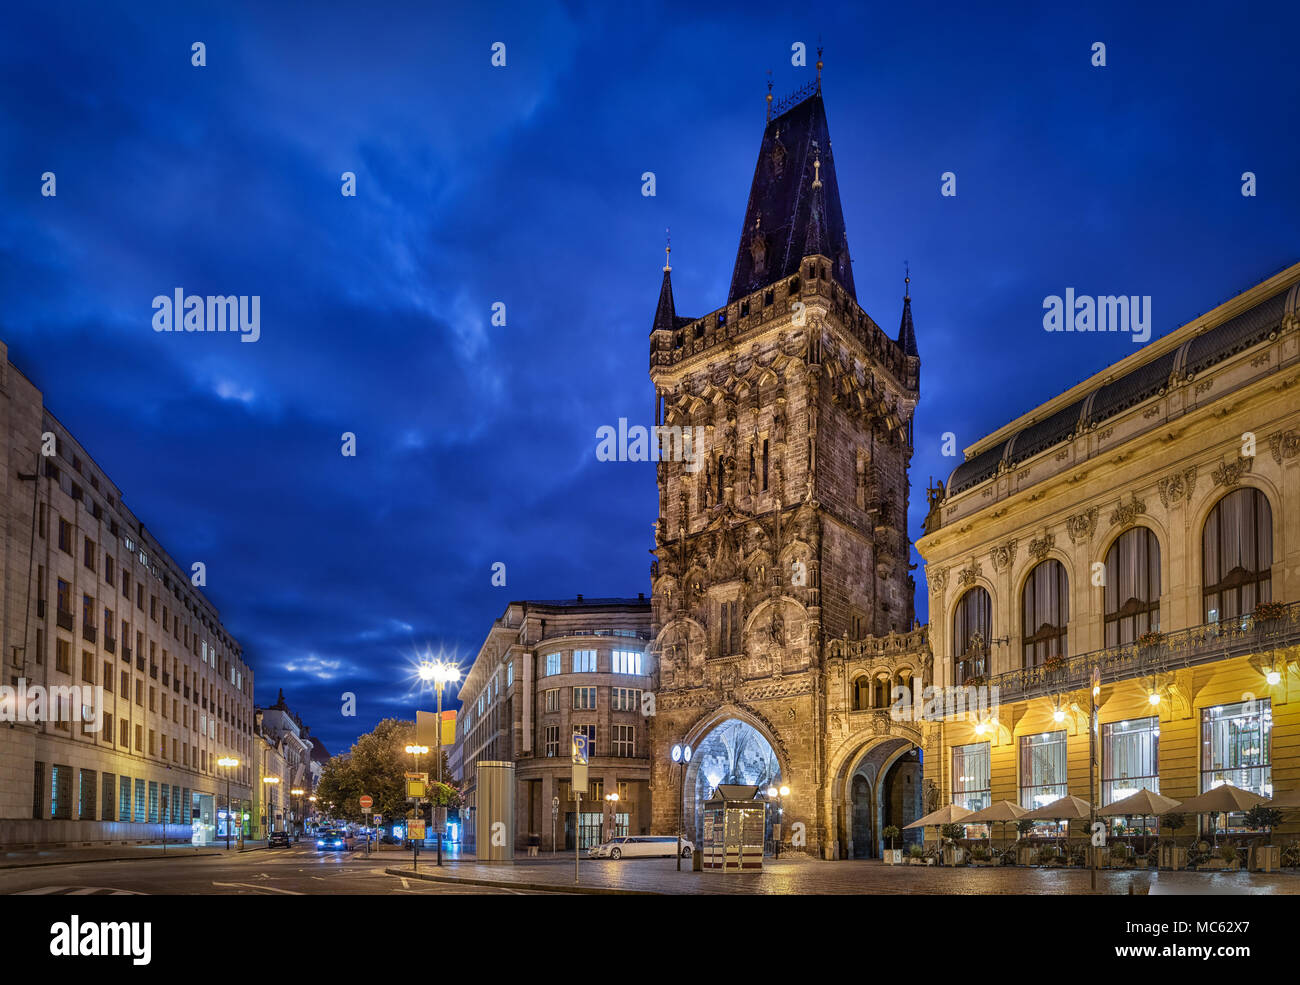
<point x="77" y="891"/>
<point x="405" y="884"/>
<point x="260" y="889"/>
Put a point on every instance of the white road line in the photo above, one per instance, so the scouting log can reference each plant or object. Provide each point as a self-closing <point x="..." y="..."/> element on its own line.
<point x="260" y="889"/>
<point x="405" y="884"/>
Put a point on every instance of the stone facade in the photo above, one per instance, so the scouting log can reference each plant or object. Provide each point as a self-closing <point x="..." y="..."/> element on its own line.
<point x="787" y="532"/>
<point x="91" y="599"/>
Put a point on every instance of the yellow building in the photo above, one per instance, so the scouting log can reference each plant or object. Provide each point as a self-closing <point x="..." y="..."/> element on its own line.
<point x="1131" y="527"/>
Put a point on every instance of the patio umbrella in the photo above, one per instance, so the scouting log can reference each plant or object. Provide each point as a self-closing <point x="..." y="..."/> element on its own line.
<point x="1223" y="799"/>
<point x="1143" y="804"/>
<point x="1066" y="809"/>
<point x="1003" y="810"/>
<point x="952" y="814"/>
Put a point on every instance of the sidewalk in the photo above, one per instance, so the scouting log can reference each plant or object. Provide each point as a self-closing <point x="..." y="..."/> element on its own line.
<point x="108" y="853"/>
<point x="799" y="876"/>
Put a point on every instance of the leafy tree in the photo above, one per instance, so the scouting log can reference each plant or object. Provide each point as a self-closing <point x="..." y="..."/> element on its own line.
<point x="1263" y="816"/>
<point x="377" y="765"/>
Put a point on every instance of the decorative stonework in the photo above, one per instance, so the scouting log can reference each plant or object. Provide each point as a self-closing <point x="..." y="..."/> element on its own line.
<point x="967" y="576"/>
<point x="938" y="578"/>
<point x="1228" y="474"/>
<point x="1284" y="444"/>
<point x="1004" y="555"/>
<point x="1127" y="513"/>
<point x="1039" y="547"/>
<point x="1177" y="489"/>
<point x="1082" y="526"/>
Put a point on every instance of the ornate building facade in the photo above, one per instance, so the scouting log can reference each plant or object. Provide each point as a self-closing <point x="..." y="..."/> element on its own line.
<point x="780" y="580"/>
<point x="1144" y="526"/>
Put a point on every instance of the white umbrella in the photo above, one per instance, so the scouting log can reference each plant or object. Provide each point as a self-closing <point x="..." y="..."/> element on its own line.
<point x="1003" y="810"/>
<point x="1223" y="799"/>
<point x="1143" y="804"/>
<point x="952" y="814"/>
<point x="1066" y="809"/>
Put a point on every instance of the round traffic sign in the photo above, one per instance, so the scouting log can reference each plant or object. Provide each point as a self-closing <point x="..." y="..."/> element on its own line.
<point x="367" y="802"/>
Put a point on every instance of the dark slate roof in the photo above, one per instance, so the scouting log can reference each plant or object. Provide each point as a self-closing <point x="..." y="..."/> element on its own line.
<point x="906" y="333"/>
<point x="1140" y="383"/>
<point x="783" y="214"/>
<point x="583" y="602"/>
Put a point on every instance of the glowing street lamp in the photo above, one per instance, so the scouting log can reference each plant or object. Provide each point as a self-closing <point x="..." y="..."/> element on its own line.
<point x="681" y="755"/>
<point x="229" y="762"/>
<point x="779" y="794"/>
<point x="270" y="816"/>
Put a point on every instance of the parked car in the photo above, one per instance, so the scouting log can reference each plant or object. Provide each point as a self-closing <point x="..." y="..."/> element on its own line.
<point x="336" y="839"/>
<point x="641" y="846"/>
<point x="278" y="839"/>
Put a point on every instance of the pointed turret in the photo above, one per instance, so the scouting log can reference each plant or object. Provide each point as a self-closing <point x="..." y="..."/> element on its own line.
<point x="794" y="203"/>
<point x="906" y="333"/>
<point x="666" y="313"/>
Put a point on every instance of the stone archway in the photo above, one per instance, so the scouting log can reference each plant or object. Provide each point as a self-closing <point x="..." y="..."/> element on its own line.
<point x="879" y="785"/>
<point x="727" y="748"/>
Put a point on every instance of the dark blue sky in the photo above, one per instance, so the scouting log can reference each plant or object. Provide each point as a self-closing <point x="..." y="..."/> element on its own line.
<point x="522" y="184"/>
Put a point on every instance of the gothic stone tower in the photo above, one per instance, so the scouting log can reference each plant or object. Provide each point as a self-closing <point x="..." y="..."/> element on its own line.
<point x="789" y="529"/>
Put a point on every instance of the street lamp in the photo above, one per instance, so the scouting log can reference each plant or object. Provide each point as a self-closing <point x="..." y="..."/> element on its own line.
<point x="266" y="802"/>
<point x="297" y="809"/>
<point x="681" y="756"/>
<point x="611" y="803"/>
<point x="229" y="762"/>
<point x="417" y="752"/>
<point x="779" y="794"/>
<point x="440" y="673"/>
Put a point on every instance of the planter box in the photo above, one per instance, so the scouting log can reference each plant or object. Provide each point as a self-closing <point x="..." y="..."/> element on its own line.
<point x="954" y="856"/>
<point x="1173" y="857"/>
<point x="893" y="856"/>
<point x="983" y="863"/>
<point x="1265" y="858"/>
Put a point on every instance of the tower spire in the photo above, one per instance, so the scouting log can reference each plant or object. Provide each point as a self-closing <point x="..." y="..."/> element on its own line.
<point x="906" y="332"/>
<point x="819" y="64"/>
<point x="769" y="96"/>
<point x="668" y="250"/>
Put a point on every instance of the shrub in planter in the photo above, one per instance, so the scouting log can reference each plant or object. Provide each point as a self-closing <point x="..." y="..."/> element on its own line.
<point x="1119" y="854"/>
<point x="1148" y="640"/>
<point x="1266" y="612"/>
<point x="1230" y="853"/>
<point x="1046" y="856"/>
<point x="891" y="833"/>
<point x="980" y="853"/>
<point x="916" y="852"/>
<point x="1291" y="855"/>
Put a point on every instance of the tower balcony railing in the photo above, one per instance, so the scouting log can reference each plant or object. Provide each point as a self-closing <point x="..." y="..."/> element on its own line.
<point x="1159" y="652"/>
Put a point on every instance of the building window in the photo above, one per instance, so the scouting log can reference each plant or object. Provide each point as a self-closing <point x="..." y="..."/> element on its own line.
<point x="88" y="797"/>
<point x="1042" y="769"/>
<point x="1046" y="612"/>
<point x="584" y="661"/>
<point x="765" y="464"/>
<point x="153" y="802"/>
<point x="108" y="786"/>
<point x="552" y="740"/>
<point x="88" y="554"/>
<point x="972" y="628"/>
<point x="971" y="787"/>
<point x="584" y="698"/>
<point x="510" y="673"/>
<point x="124" y="728"/>
<point x="1130" y="758"/>
<point x="124" y="800"/>
<point x="624" y="740"/>
<point x="65" y="600"/>
<point x="590" y="732"/>
<point x="63" y="656"/>
<point x="65" y="536"/>
<point x="1132" y="586"/>
<point x="552" y="664"/>
<point x="1237" y="555"/>
<point x="1236" y="748"/>
<point x="61" y="792"/>
<point x="38" y="790"/>
<point x="625" y="699"/>
<point x="88" y="666"/>
<point x="627" y="661"/>
<point x="553" y="699"/>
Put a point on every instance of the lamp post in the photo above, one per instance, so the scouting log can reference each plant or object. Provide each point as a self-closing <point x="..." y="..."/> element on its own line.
<point x="229" y="762"/>
<point x="270" y="781"/>
<point x="297" y="792"/>
<point x="778" y="793"/>
<point x="440" y="673"/>
<point x="681" y="755"/>
<point x="611" y="805"/>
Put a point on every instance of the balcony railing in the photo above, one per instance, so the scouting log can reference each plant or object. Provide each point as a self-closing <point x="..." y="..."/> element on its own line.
<point x="64" y="620"/>
<point x="1190" y="647"/>
<point x="88" y="633"/>
<point x="110" y="644"/>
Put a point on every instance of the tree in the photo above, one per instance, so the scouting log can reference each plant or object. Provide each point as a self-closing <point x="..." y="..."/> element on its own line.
<point x="377" y="765"/>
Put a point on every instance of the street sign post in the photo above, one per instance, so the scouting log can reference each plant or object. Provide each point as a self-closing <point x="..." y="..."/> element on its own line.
<point x="581" y="749"/>
<point x="555" y="812"/>
<point x="367" y="802"/>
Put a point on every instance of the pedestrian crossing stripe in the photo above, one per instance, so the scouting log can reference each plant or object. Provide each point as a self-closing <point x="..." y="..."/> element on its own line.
<point x="77" y="891"/>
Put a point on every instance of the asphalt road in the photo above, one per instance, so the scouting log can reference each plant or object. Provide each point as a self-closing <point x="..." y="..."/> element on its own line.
<point x="266" y="872"/>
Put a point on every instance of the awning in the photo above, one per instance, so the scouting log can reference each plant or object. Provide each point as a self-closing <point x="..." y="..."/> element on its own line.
<point x="1144" y="803"/>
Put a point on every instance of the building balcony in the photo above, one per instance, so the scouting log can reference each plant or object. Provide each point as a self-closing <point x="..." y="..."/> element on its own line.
<point x="110" y="644"/>
<point x="1192" y="647"/>
<point x="88" y="633"/>
<point x="64" y="619"/>
<point x="126" y="652"/>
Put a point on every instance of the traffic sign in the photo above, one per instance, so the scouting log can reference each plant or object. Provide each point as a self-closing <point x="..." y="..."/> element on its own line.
<point x="415" y="830"/>
<point x="379" y="819"/>
<point x="367" y="802"/>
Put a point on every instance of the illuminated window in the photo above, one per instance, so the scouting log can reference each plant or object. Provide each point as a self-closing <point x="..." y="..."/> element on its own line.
<point x="1132" y="586"/>
<point x="552" y="664"/>
<point x="627" y="662"/>
<point x="1237" y="555"/>
<point x="584" y="698"/>
<point x="584" y="661"/>
<point x="971" y="788"/>
<point x="1046" y="612"/>
<point x="972" y="628"/>
<point x="1042" y="769"/>
<point x="1129" y="758"/>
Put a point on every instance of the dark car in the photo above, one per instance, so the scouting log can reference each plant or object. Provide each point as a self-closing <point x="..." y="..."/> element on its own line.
<point x="336" y="838"/>
<point x="278" y="839"/>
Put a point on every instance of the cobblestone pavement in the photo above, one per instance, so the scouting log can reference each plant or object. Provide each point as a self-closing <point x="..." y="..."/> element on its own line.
<point x="806" y="876"/>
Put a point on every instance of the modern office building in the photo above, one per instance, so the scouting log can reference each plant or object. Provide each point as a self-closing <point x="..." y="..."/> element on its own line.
<point x="92" y="601"/>
<point x="1143" y="526"/>
<point x="549" y="669"/>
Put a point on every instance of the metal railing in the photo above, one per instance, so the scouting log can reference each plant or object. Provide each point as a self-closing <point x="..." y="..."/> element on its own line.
<point x="1189" y="647"/>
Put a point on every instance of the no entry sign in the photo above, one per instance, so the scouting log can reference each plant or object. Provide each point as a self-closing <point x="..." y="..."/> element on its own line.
<point x="367" y="802"/>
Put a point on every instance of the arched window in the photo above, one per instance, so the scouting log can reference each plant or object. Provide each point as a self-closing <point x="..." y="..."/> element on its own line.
<point x="972" y="628"/>
<point x="861" y="694"/>
<point x="1045" y="612"/>
<point x="1237" y="555"/>
<point x="1132" y="586"/>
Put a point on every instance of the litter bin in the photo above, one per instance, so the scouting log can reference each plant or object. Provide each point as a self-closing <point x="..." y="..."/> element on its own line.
<point x="534" y="843"/>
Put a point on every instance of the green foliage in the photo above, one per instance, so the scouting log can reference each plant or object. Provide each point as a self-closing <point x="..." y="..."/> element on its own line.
<point x="953" y="831"/>
<point x="1024" y="827"/>
<point x="377" y="765"/>
<point x="891" y="832"/>
<point x="1174" y="821"/>
<point x="916" y="851"/>
<point x="1263" y="816"/>
<point x="1229" y="852"/>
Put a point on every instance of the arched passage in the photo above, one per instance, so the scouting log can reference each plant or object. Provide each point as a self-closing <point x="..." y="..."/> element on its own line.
<point x="880" y="786"/>
<point x="730" y="750"/>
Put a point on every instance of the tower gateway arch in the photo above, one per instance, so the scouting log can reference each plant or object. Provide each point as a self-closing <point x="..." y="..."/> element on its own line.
<point x="782" y="603"/>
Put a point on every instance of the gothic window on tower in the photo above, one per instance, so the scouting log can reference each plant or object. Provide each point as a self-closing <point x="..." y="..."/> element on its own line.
<point x="765" y="464"/>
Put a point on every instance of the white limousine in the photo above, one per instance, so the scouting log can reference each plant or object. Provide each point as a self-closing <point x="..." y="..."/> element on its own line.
<point x="641" y="846"/>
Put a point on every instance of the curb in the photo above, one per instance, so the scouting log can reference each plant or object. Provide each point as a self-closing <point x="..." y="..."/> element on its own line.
<point x="88" y="861"/>
<point x="548" y="887"/>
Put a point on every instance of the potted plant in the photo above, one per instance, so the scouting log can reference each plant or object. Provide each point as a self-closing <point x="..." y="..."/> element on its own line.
<point x="1265" y="857"/>
<point x="953" y="853"/>
<point x="981" y="856"/>
<point x="916" y="855"/>
<point x="1150" y="640"/>
<point x="1046" y="855"/>
<point x="1230" y="855"/>
<point x="1268" y="616"/>
<point x="1172" y="855"/>
<point x="1119" y="855"/>
<point x="1024" y="851"/>
<point x="893" y="856"/>
<point x="1291" y="855"/>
